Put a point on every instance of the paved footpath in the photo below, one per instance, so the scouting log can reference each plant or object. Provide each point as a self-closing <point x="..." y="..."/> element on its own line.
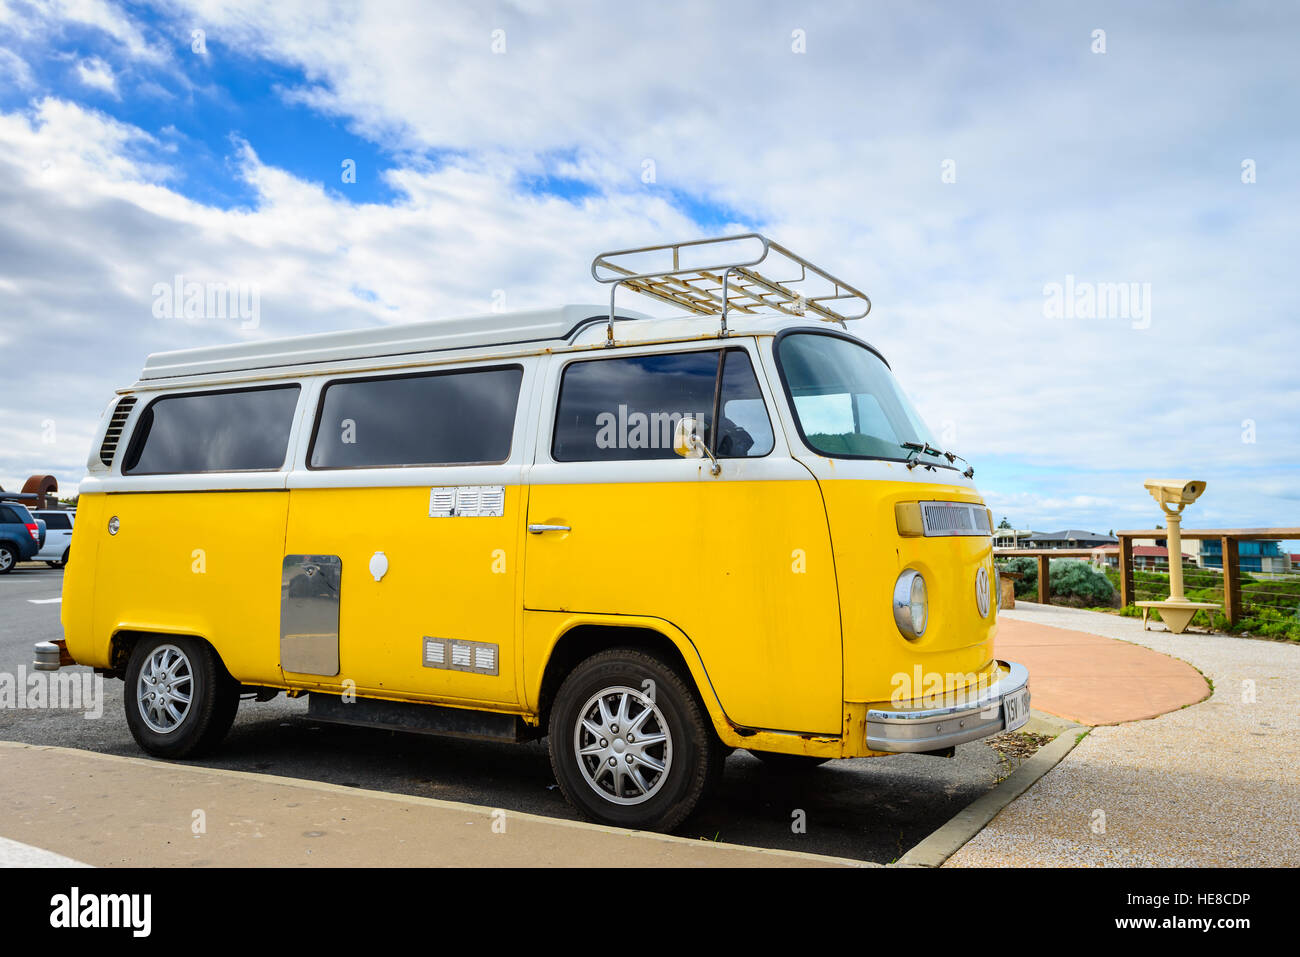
<point x="1213" y="783"/>
<point x="1092" y="680"/>
<point x="106" y="810"/>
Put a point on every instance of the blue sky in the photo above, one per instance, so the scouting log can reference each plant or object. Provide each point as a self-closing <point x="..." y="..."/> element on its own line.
<point x="953" y="159"/>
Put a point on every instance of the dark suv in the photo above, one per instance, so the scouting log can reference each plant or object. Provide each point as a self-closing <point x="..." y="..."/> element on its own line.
<point x="21" y="536"/>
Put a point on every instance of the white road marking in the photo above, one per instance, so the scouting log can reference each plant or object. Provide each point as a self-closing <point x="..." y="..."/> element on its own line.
<point x="44" y="601"/>
<point x="16" y="854"/>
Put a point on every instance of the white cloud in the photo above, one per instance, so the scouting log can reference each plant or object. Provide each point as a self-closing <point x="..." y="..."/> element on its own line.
<point x="108" y="18"/>
<point x="15" y="71"/>
<point x="97" y="74"/>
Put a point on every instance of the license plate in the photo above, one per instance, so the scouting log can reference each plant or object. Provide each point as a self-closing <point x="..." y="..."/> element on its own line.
<point x="1015" y="709"/>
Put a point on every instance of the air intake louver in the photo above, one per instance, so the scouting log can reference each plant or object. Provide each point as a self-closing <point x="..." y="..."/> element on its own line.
<point x="955" y="518"/>
<point x="121" y="412"/>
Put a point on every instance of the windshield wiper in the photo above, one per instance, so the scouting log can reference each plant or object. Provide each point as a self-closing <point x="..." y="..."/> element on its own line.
<point x="916" y="448"/>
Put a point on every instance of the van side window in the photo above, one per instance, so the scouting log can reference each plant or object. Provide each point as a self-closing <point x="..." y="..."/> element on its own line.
<point x="237" y="430"/>
<point x="626" y="409"/>
<point x="743" y="426"/>
<point x="464" y="417"/>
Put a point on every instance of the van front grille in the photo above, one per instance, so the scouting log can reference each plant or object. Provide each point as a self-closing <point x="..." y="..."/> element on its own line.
<point x="121" y="412"/>
<point x="955" y="518"/>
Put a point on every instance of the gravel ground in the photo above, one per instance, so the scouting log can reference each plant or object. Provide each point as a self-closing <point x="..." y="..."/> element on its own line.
<point x="1214" y="784"/>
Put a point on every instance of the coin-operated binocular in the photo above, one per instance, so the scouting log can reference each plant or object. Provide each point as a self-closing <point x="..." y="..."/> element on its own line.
<point x="1173" y="495"/>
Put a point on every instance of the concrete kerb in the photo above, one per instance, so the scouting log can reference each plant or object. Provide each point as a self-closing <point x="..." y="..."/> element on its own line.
<point x="966" y="823"/>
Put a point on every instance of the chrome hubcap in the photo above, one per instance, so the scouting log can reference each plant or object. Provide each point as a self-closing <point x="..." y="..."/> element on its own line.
<point x="164" y="690"/>
<point x="5" y="558"/>
<point x="623" y="745"/>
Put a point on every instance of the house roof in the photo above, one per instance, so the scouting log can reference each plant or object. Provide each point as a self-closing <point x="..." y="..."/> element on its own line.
<point x="1072" y="534"/>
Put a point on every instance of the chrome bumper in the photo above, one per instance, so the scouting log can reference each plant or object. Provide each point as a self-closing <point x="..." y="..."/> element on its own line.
<point x="920" y="725"/>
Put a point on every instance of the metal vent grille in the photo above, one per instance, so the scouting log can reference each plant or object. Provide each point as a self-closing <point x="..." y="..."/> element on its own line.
<point x="121" y="412"/>
<point x="453" y="654"/>
<point x="442" y="502"/>
<point x="955" y="518"/>
<point x="472" y="501"/>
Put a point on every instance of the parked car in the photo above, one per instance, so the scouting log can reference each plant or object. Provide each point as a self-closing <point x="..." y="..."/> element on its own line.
<point x="58" y="536"/>
<point x="21" y="536"/>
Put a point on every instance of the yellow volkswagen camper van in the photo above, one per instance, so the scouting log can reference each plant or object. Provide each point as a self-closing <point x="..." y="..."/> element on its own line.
<point x="653" y="540"/>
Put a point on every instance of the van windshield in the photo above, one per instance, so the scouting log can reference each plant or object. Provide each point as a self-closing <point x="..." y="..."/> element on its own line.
<point x="847" y="402"/>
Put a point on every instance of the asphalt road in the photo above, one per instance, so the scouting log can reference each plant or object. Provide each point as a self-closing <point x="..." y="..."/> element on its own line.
<point x="871" y="809"/>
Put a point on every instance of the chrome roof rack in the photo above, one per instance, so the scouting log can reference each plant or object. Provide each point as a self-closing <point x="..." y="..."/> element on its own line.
<point x="716" y="276"/>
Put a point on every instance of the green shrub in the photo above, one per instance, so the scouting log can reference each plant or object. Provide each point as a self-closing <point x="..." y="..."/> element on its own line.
<point x="1073" y="582"/>
<point x="1081" y="582"/>
<point x="1026" y="587"/>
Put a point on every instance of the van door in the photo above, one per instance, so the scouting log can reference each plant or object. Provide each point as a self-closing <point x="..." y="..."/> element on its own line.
<point x="412" y="500"/>
<point x="740" y="562"/>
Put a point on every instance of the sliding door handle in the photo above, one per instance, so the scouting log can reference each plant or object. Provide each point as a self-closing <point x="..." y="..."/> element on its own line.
<point x="538" y="529"/>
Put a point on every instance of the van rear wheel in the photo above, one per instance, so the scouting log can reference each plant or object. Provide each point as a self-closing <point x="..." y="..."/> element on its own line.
<point x="630" y="745"/>
<point x="180" y="701"/>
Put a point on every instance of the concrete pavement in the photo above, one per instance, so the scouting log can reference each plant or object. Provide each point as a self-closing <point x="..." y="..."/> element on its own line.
<point x="1216" y="783"/>
<point x="107" y="810"/>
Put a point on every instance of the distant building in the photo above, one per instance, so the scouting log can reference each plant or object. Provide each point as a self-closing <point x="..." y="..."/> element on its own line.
<point x="1012" y="537"/>
<point x="1145" y="557"/>
<point x="1069" y="538"/>
<point x="1265" y="557"/>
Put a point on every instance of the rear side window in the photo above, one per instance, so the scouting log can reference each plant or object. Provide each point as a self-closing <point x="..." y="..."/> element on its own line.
<point x="466" y="417"/>
<point x="627" y="409"/>
<point x="242" y="430"/>
<point x="9" y="516"/>
<point x="54" y="520"/>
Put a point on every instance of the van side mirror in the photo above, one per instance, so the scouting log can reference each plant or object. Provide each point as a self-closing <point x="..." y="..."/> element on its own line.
<point x="688" y="444"/>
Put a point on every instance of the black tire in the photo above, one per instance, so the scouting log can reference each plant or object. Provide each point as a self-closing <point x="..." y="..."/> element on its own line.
<point x="695" y="755"/>
<point x="214" y="699"/>
<point x="8" y="558"/>
<point x="789" y="763"/>
<point x="60" y="562"/>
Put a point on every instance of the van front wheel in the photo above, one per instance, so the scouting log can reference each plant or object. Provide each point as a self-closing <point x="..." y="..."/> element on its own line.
<point x="629" y="743"/>
<point x="180" y="701"/>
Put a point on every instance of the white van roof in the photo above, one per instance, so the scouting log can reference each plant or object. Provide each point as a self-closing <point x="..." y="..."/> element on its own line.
<point x="568" y="327"/>
<point x="538" y="328"/>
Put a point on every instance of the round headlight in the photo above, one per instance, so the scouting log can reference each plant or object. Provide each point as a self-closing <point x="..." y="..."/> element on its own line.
<point x="911" y="605"/>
